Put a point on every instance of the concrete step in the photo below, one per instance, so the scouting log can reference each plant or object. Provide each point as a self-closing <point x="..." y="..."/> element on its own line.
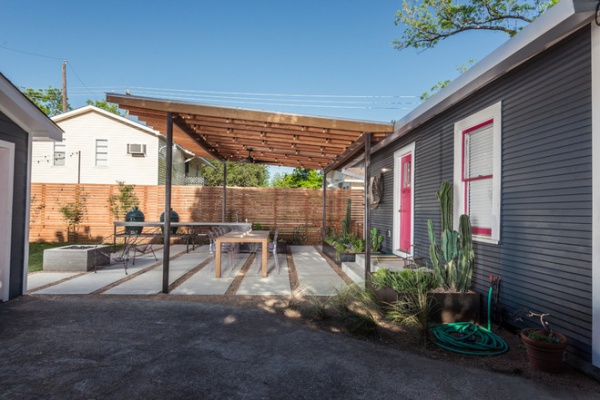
<point x="390" y="262"/>
<point x="354" y="272"/>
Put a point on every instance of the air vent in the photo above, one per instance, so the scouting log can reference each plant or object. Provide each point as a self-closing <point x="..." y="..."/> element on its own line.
<point x="136" y="149"/>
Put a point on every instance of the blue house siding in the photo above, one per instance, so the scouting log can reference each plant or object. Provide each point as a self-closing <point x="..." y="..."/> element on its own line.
<point x="10" y="132"/>
<point x="545" y="253"/>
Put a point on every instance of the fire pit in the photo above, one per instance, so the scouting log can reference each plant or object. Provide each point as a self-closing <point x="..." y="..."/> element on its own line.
<point x="76" y="258"/>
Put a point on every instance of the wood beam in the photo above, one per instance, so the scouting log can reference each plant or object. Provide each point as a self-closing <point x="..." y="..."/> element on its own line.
<point x="177" y="120"/>
<point x="234" y="113"/>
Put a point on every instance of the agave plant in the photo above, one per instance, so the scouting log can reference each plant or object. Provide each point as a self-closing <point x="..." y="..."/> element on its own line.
<point x="453" y="261"/>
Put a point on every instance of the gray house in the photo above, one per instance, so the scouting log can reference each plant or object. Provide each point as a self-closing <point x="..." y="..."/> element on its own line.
<point x="519" y="137"/>
<point x="21" y="122"/>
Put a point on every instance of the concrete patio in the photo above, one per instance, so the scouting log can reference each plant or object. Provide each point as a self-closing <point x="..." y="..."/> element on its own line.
<point x="193" y="274"/>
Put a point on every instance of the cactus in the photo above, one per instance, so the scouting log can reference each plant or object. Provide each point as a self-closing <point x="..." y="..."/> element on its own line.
<point x="376" y="240"/>
<point x="453" y="262"/>
<point x="347" y="222"/>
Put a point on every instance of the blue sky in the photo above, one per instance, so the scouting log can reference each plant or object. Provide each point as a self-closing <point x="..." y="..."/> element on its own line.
<point x="306" y="50"/>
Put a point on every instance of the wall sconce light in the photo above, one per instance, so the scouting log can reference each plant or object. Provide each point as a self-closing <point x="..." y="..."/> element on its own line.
<point x="384" y="170"/>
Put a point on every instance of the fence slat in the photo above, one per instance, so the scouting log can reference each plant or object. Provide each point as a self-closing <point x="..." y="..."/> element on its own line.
<point x="287" y="208"/>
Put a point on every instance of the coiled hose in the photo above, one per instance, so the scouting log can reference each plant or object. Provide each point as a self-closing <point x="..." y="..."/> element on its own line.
<point x="468" y="338"/>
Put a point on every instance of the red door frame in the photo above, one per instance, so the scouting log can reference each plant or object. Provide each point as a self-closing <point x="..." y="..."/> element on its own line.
<point x="405" y="202"/>
<point x="404" y="161"/>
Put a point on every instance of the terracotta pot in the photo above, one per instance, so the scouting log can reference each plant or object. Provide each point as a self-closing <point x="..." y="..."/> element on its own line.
<point x="544" y="356"/>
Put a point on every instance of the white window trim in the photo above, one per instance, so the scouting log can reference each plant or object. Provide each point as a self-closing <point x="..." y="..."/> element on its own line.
<point x="96" y="154"/>
<point x="492" y="112"/>
<point x="64" y="144"/>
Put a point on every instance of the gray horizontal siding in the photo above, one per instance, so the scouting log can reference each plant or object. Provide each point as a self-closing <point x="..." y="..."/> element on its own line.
<point x="10" y="132"/>
<point x="544" y="256"/>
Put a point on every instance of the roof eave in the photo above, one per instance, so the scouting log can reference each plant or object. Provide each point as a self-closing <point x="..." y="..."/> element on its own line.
<point x="556" y="23"/>
<point x="16" y="106"/>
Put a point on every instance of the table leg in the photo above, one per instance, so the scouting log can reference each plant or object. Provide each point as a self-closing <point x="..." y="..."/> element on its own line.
<point x="265" y="257"/>
<point x="217" y="259"/>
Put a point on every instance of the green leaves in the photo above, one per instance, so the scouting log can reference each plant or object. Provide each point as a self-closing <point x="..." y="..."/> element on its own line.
<point x="299" y="178"/>
<point x="238" y="174"/>
<point x="110" y="107"/>
<point x="426" y="22"/>
<point x="119" y="204"/>
<point x="48" y="100"/>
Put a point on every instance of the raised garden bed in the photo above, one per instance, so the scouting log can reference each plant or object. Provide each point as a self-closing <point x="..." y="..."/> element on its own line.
<point x="329" y="251"/>
<point x="76" y="258"/>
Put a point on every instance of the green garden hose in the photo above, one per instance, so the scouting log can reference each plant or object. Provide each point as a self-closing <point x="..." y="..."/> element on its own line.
<point x="468" y="338"/>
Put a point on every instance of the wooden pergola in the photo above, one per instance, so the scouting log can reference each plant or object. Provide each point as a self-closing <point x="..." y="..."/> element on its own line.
<point x="242" y="135"/>
<point x="235" y="134"/>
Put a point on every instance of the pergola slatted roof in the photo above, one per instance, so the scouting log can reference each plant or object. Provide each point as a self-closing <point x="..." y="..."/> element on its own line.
<point x="227" y="133"/>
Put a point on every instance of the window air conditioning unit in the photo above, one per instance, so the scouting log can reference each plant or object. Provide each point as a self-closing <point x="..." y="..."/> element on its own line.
<point x="136" y="149"/>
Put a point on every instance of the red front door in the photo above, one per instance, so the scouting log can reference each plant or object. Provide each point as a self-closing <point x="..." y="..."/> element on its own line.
<point x="405" y="202"/>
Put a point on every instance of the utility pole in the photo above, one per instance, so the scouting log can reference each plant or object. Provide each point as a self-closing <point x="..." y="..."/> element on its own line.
<point x="64" y="85"/>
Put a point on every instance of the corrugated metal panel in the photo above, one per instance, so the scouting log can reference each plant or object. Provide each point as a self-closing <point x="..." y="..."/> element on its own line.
<point x="545" y="250"/>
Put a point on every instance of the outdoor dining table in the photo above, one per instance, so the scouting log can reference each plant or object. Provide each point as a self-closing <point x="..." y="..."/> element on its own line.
<point x="243" y="237"/>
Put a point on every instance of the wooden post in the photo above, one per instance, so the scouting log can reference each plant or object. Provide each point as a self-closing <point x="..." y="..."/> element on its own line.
<point x="64" y="86"/>
<point x="224" y="212"/>
<point x="324" y="231"/>
<point x="366" y="216"/>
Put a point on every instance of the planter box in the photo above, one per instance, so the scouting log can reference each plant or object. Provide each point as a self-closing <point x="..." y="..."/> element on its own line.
<point x="76" y="258"/>
<point x="329" y="251"/>
<point x="446" y="308"/>
<point x="455" y="307"/>
<point x="387" y="295"/>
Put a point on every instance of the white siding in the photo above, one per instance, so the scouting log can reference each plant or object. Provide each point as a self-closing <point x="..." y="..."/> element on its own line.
<point x="81" y="132"/>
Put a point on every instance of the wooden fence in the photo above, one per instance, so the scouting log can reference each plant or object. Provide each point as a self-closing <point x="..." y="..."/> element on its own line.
<point x="290" y="209"/>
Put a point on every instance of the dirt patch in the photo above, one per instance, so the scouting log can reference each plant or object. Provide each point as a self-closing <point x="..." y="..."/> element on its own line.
<point x="513" y="363"/>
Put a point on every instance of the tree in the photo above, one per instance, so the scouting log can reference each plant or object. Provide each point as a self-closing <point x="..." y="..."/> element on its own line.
<point x="238" y="174"/>
<point x="299" y="178"/>
<point x="426" y="22"/>
<point x="442" y="84"/>
<point x="120" y="204"/>
<point x="110" y="107"/>
<point x="48" y="100"/>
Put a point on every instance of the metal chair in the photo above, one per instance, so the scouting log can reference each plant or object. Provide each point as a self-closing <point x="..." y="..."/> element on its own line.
<point x="271" y="248"/>
<point x="229" y="248"/>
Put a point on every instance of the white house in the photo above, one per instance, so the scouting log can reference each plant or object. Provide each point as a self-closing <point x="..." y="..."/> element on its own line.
<point x="101" y="147"/>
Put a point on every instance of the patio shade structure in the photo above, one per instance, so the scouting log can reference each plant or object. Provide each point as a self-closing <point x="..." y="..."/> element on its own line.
<point x="244" y="135"/>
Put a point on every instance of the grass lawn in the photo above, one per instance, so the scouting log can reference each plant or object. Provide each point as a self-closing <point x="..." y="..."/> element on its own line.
<point x="36" y="254"/>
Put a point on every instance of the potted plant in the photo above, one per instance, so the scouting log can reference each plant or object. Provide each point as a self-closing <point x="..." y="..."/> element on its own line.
<point x="545" y="347"/>
<point x="453" y="261"/>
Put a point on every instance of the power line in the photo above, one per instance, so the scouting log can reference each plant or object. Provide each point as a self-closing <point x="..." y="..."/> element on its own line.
<point x="387" y="102"/>
<point x="78" y="78"/>
<point x="144" y="89"/>
<point x="30" y="53"/>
